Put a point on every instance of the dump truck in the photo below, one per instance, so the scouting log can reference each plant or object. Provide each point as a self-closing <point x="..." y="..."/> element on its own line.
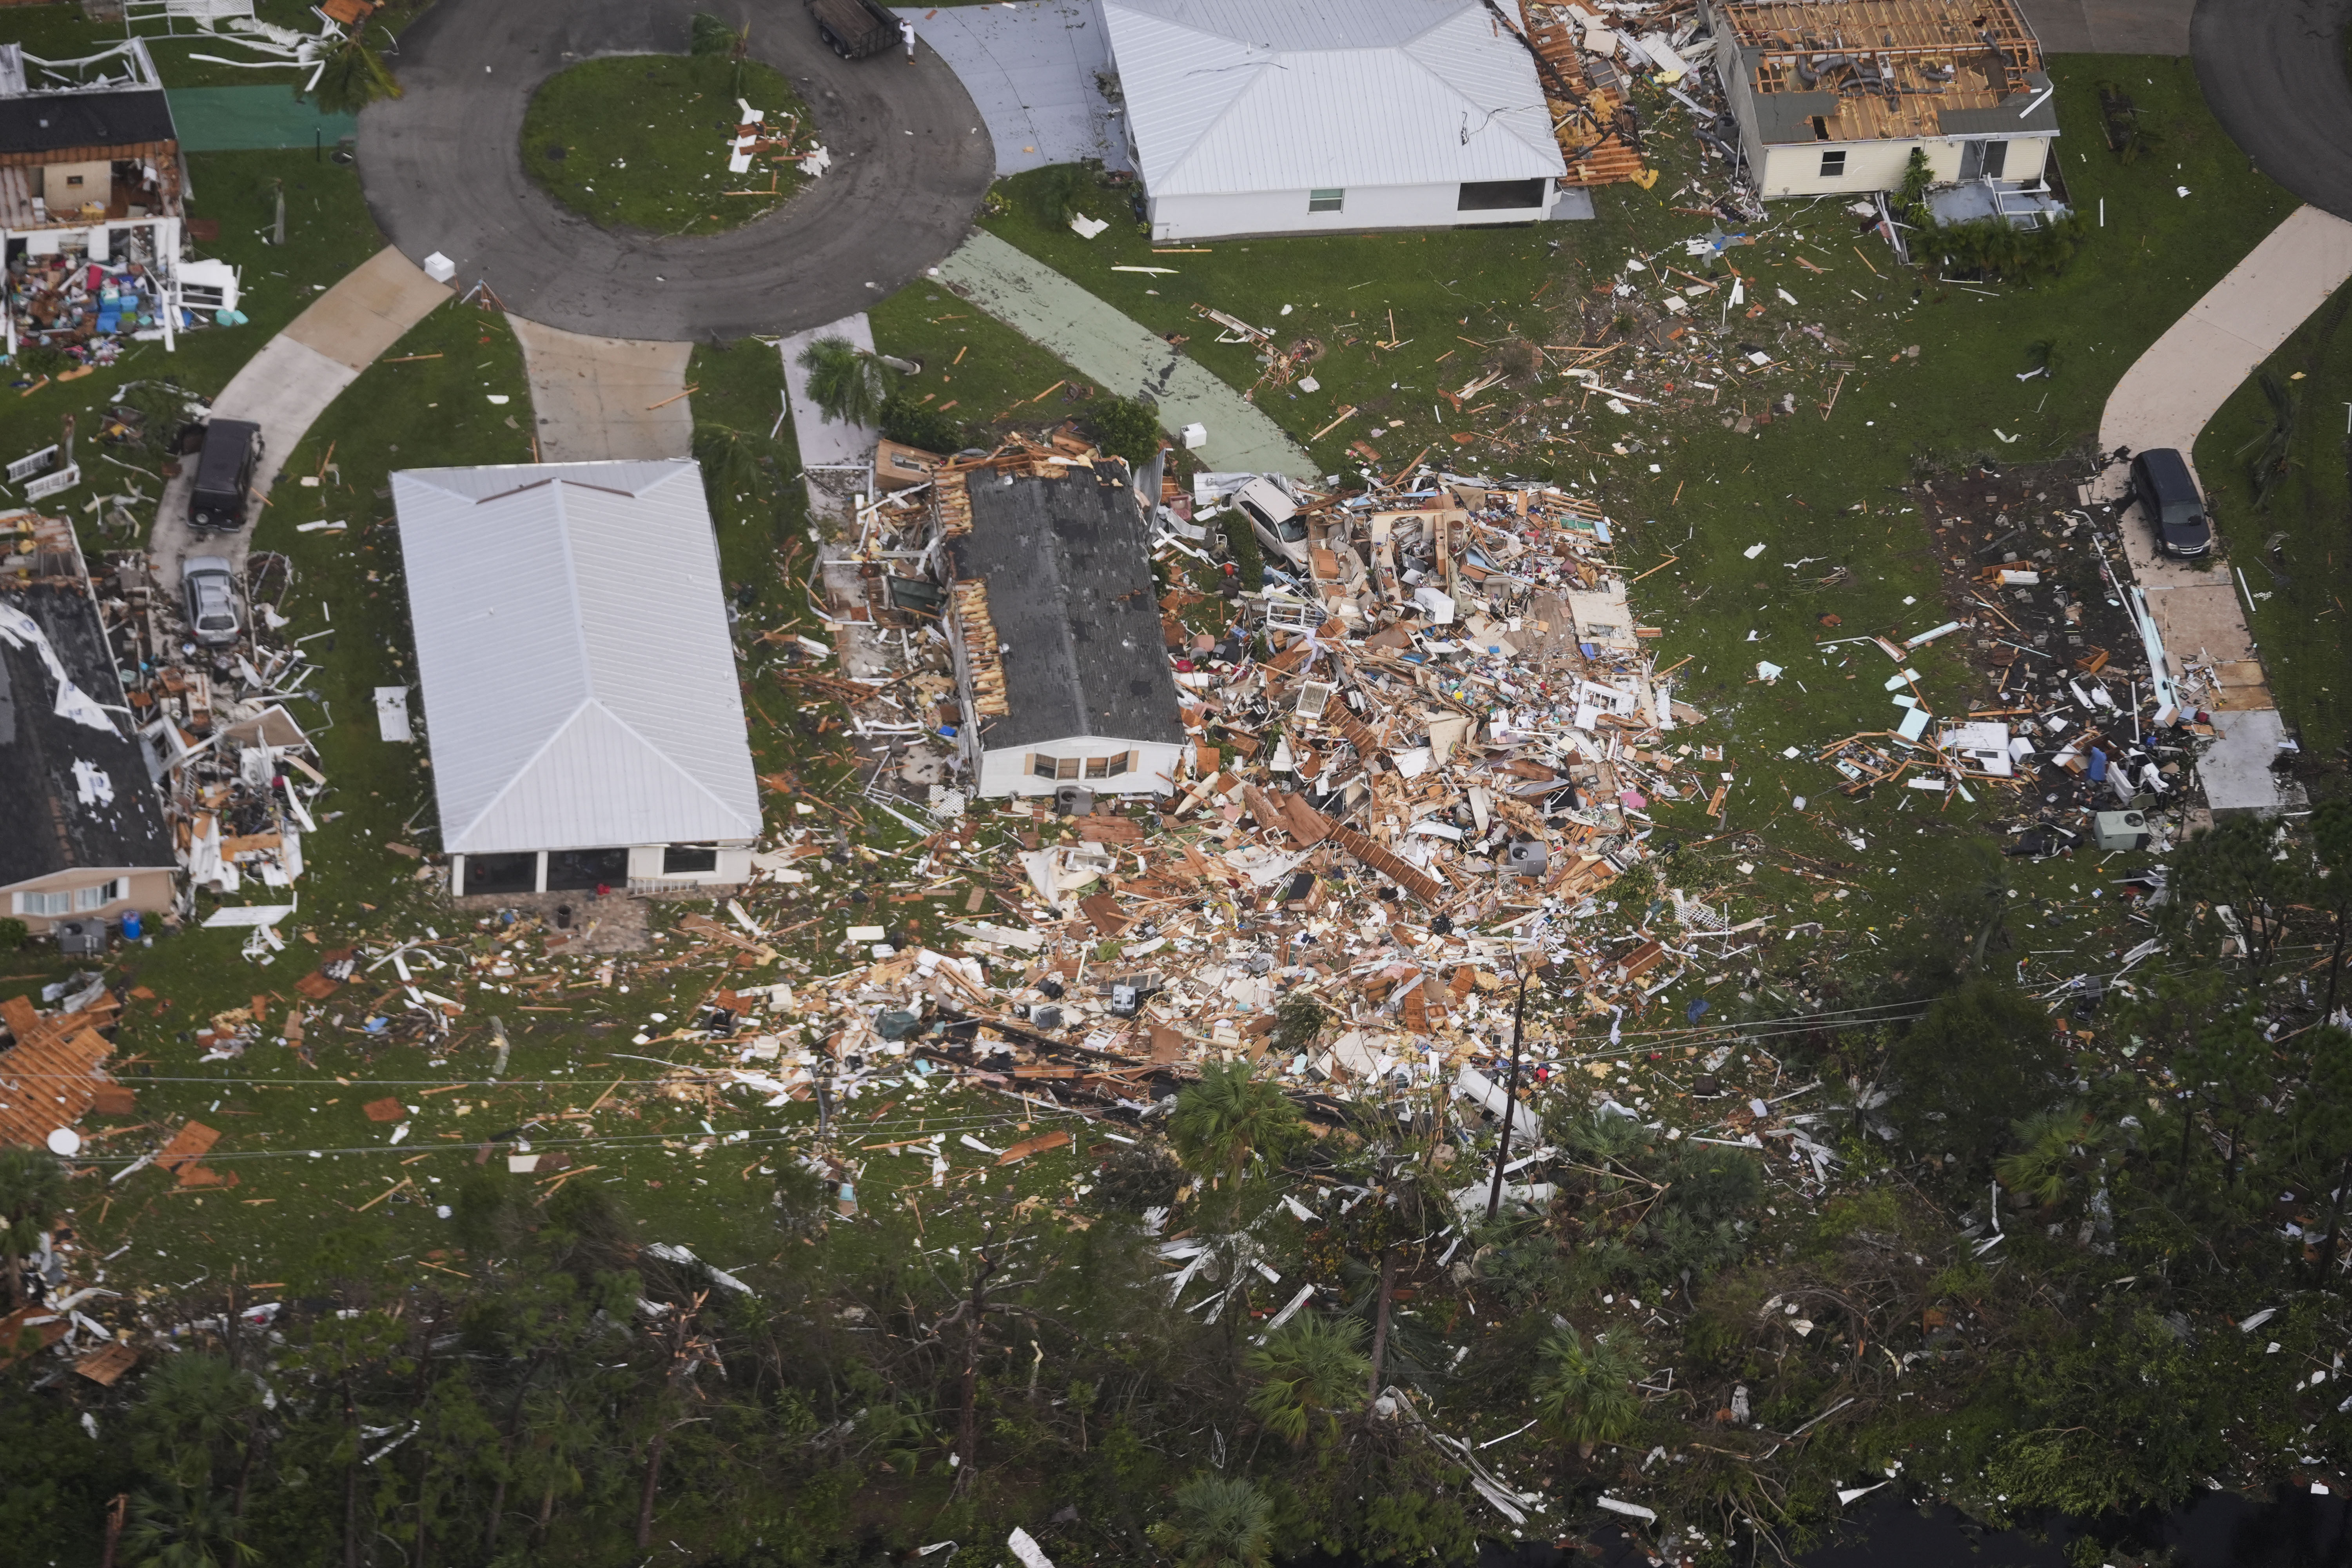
<point x="854" y="28"/>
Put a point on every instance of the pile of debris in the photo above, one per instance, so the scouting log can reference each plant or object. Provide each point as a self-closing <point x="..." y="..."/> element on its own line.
<point x="1415" y="761"/>
<point x="231" y="758"/>
<point x="86" y="308"/>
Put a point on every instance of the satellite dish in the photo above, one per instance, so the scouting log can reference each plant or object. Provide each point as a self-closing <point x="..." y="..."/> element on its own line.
<point x="66" y="1143"/>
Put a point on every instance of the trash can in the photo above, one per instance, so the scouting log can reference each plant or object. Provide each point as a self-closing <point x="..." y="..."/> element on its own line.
<point x="132" y="925"/>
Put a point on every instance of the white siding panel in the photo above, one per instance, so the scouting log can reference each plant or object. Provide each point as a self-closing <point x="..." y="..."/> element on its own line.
<point x="1188" y="217"/>
<point x="1007" y="772"/>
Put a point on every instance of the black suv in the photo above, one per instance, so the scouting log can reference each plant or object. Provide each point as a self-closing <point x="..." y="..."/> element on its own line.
<point x="2161" y="483"/>
<point x="224" y="487"/>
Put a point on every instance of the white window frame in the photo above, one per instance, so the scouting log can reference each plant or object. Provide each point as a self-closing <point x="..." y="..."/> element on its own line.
<point x="97" y="896"/>
<point x="1838" y="155"/>
<point x="36" y="903"/>
<point x="1332" y="199"/>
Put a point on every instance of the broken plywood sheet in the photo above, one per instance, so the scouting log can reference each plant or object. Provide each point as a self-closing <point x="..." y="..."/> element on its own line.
<point x="51" y="1079"/>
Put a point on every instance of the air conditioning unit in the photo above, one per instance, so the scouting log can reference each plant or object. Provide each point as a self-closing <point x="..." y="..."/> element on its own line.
<point x="2122" y="830"/>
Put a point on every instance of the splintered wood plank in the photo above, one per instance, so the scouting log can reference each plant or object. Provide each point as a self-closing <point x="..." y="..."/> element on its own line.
<point x="188" y="1145"/>
<point x="23" y="1019"/>
<point x="106" y="1364"/>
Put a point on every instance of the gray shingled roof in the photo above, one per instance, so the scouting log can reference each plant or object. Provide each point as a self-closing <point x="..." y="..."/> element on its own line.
<point x="47" y="122"/>
<point x="1068" y="567"/>
<point x="2005" y="119"/>
<point x="55" y="821"/>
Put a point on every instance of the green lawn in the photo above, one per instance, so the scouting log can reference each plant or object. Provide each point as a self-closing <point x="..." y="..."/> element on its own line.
<point x="660" y="164"/>
<point x="1714" y="494"/>
<point x="2285" y="546"/>
<point x="976" y="370"/>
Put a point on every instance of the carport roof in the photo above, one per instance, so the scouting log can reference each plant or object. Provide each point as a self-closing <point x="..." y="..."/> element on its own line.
<point x="578" y="681"/>
<point x="1228" y="96"/>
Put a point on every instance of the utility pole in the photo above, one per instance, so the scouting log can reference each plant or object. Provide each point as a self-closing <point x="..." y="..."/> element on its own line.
<point x="1510" y="1092"/>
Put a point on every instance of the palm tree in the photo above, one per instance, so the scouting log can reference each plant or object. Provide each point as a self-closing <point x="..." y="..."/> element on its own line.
<point x="2057" y="1144"/>
<point x="199" y="1407"/>
<point x="32" y="1191"/>
<point x="352" y="76"/>
<point x="850" y="383"/>
<point x="1219" y="1523"/>
<point x="1230" y="1115"/>
<point x="1585" y="1392"/>
<point x="180" y="1526"/>
<point x="1312" y="1366"/>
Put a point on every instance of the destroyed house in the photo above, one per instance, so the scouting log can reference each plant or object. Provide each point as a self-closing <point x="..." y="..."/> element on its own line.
<point x="579" y="683"/>
<point x="92" y="187"/>
<point x="1834" y="96"/>
<point x="83" y="835"/>
<point x="1055" y="626"/>
<point x="1313" y="116"/>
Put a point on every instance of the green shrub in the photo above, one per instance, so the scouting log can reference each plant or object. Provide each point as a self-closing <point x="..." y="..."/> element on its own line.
<point x="1055" y="190"/>
<point x="913" y="424"/>
<point x="1983" y="1056"/>
<point x="1126" y="427"/>
<point x="13" y="934"/>
<point x="1999" y="250"/>
<point x="1249" y="559"/>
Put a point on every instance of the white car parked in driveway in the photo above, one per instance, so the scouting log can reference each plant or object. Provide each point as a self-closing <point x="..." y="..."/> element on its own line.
<point x="210" y="588"/>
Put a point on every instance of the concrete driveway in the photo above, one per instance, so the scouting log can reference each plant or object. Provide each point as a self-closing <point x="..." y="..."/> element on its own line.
<point x="1036" y="69"/>
<point x="442" y="169"/>
<point x="2166" y="399"/>
<point x="289" y="384"/>
<point x="603" y="399"/>
<point x="2273" y="72"/>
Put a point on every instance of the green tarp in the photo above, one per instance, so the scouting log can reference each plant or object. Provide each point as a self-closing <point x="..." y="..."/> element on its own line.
<point x="245" y="118"/>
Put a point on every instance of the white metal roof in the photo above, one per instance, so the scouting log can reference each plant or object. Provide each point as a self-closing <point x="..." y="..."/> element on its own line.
<point x="1228" y="96"/>
<point x="572" y="641"/>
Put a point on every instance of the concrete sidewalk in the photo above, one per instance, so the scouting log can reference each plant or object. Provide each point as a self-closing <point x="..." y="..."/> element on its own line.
<point x="1127" y="357"/>
<point x="289" y="384"/>
<point x="599" y="399"/>
<point x="2166" y="399"/>
<point x="829" y="447"/>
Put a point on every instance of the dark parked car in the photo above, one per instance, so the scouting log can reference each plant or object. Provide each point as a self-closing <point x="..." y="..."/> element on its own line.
<point x="224" y="487"/>
<point x="2166" y="490"/>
